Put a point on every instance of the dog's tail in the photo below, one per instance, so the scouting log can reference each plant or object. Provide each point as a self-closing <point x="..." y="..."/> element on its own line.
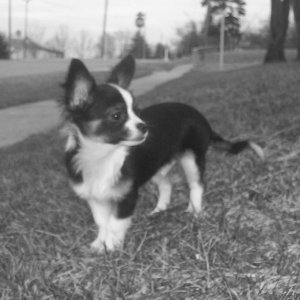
<point x="235" y="147"/>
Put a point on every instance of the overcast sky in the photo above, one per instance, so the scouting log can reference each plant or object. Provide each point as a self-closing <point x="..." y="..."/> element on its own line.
<point x="162" y="16"/>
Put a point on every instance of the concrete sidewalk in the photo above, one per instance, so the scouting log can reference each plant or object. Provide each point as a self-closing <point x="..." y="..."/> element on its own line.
<point x="18" y="122"/>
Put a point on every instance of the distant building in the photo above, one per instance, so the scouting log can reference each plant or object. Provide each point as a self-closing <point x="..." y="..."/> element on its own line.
<point x="32" y="50"/>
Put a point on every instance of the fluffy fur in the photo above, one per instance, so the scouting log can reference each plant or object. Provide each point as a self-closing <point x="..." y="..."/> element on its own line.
<point x="112" y="149"/>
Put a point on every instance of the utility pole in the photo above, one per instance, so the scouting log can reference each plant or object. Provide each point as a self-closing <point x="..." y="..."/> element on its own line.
<point x="103" y="43"/>
<point x="166" y="53"/>
<point x="140" y="23"/>
<point x="26" y="29"/>
<point x="222" y="35"/>
<point x="9" y="26"/>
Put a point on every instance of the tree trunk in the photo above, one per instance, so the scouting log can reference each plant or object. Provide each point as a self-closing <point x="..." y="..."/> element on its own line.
<point x="206" y="24"/>
<point x="296" y="7"/>
<point x="279" y="22"/>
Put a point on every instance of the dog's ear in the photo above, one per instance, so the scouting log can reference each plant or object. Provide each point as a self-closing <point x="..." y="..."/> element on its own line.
<point x="79" y="85"/>
<point x="123" y="72"/>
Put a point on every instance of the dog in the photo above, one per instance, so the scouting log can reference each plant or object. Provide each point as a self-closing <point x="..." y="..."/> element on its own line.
<point x="112" y="148"/>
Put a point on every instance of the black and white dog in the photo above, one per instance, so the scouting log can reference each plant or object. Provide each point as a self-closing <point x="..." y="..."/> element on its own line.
<point x="112" y="149"/>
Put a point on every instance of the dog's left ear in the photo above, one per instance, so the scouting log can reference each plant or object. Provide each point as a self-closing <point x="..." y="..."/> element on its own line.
<point x="123" y="72"/>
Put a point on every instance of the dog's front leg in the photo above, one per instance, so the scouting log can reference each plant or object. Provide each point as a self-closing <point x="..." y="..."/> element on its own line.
<point x="115" y="233"/>
<point x="101" y="212"/>
<point x="120" y="220"/>
<point x="113" y="220"/>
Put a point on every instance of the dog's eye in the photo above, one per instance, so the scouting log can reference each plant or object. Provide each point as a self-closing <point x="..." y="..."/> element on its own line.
<point x="116" y="116"/>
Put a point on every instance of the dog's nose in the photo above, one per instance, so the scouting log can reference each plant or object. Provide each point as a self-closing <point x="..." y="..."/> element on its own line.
<point x="142" y="127"/>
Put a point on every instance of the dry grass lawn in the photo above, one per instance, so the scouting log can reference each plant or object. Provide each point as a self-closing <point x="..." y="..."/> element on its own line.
<point x="246" y="245"/>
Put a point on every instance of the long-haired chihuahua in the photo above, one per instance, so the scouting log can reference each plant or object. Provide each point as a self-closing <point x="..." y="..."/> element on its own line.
<point x="112" y="149"/>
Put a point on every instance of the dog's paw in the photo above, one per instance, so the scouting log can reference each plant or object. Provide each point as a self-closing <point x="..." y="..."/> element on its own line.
<point x="155" y="211"/>
<point x="97" y="246"/>
<point x="197" y="213"/>
<point x="111" y="244"/>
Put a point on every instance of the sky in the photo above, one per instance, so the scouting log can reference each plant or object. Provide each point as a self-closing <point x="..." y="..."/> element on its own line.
<point x="163" y="17"/>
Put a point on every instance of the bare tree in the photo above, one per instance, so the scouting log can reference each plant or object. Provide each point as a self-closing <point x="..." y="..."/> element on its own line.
<point x="117" y="43"/>
<point x="83" y="45"/>
<point x="61" y="39"/>
<point x="122" y="41"/>
<point x="279" y="22"/>
<point x="110" y="46"/>
<point x="37" y="32"/>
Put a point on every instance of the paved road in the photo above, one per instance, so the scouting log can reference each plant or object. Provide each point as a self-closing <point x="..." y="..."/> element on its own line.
<point x="10" y="68"/>
<point x="17" y="123"/>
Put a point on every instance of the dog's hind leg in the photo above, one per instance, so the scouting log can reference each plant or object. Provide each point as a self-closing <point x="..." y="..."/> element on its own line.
<point x="194" y="169"/>
<point x="164" y="188"/>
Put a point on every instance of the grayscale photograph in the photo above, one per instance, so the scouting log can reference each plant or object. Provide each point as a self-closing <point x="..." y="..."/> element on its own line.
<point x="150" y="150"/>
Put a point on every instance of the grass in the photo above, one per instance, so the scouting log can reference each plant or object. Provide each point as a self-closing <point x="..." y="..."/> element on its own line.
<point x="245" y="245"/>
<point x="239" y="58"/>
<point x="32" y="88"/>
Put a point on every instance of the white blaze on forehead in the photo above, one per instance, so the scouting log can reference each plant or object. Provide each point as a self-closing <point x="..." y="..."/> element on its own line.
<point x="127" y="97"/>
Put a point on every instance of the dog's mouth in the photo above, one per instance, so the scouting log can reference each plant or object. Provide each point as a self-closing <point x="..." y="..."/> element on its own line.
<point x="136" y="140"/>
<point x="136" y="135"/>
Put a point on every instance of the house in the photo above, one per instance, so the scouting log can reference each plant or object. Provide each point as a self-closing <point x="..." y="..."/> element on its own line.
<point x="27" y="48"/>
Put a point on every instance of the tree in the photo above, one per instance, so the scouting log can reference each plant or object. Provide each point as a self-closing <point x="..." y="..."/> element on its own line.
<point x="233" y="10"/>
<point x="140" y="47"/>
<point x="110" y="46"/>
<point x="233" y="34"/>
<point x="296" y="7"/>
<point x="122" y="41"/>
<point x="278" y="29"/>
<point x="188" y="39"/>
<point x="84" y="44"/>
<point x="207" y="22"/>
<point x="117" y="44"/>
<point x="37" y="32"/>
<point x="61" y="39"/>
<point x="237" y="7"/>
<point x="257" y="38"/>
<point x="159" y="51"/>
<point x="291" y="37"/>
<point x="4" y="49"/>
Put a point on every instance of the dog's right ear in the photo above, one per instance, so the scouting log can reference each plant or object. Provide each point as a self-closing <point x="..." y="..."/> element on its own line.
<point x="79" y="85"/>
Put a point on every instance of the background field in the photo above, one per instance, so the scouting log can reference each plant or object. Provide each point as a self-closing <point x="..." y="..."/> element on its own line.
<point x="239" y="58"/>
<point x="246" y="244"/>
<point x="31" y="81"/>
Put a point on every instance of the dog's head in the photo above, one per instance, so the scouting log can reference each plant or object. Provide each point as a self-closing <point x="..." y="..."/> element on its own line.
<point x="105" y="112"/>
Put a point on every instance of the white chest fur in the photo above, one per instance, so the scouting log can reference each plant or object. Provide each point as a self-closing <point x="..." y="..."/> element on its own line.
<point x="100" y="165"/>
